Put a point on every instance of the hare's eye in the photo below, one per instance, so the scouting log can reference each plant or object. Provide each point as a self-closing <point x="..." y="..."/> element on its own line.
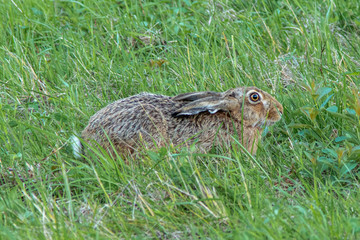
<point x="254" y="97"/>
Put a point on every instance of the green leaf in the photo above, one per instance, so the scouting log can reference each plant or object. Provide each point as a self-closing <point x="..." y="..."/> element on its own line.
<point x="356" y="148"/>
<point x="331" y="152"/>
<point x="333" y="109"/>
<point x="326" y="101"/>
<point x="355" y="153"/>
<point x="153" y="155"/>
<point x="341" y="138"/>
<point x="323" y="91"/>
<point x="355" y="224"/>
<point x="351" y="111"/>
<point x="347" y="168"/>
<point x="326" y="160"/>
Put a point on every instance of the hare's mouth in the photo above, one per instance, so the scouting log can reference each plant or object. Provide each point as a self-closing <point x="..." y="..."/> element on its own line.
<point x="264" y="123"/>
<point x="270" y="123"/>
<point x="259" y="124"/>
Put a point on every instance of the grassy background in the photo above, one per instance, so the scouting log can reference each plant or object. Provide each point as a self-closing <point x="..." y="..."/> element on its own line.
<point x="61" y="61"/>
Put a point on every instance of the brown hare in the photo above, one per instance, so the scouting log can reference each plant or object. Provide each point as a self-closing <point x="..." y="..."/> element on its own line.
<point x="208" y="118"/>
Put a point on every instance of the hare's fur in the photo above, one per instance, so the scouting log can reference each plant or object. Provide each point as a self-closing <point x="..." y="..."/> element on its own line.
<point x="209" y="118"/>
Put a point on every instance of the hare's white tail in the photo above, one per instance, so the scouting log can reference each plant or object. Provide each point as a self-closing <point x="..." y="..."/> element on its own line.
<point x="76" y="146"/>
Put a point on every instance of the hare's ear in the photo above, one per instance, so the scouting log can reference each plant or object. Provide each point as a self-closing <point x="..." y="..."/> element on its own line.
<point x="189" y="97"/>
<point x="210" y="104"/>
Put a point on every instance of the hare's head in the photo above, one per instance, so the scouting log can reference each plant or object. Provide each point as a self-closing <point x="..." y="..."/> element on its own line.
<point x="250" y="105"/>
<point x="257" y="107"/>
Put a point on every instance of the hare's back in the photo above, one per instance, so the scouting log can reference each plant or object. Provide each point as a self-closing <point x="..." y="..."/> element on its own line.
<point x="128" y="115"/>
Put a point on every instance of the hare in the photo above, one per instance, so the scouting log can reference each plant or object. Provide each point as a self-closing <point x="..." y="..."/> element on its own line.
<point x="204" y="118"/>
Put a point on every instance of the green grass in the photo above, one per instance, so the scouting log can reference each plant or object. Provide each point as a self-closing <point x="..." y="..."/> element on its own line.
<point x="61" y="61"/>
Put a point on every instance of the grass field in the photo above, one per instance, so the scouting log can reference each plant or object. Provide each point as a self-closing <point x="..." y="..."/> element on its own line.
<point x="61" y="61"/>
